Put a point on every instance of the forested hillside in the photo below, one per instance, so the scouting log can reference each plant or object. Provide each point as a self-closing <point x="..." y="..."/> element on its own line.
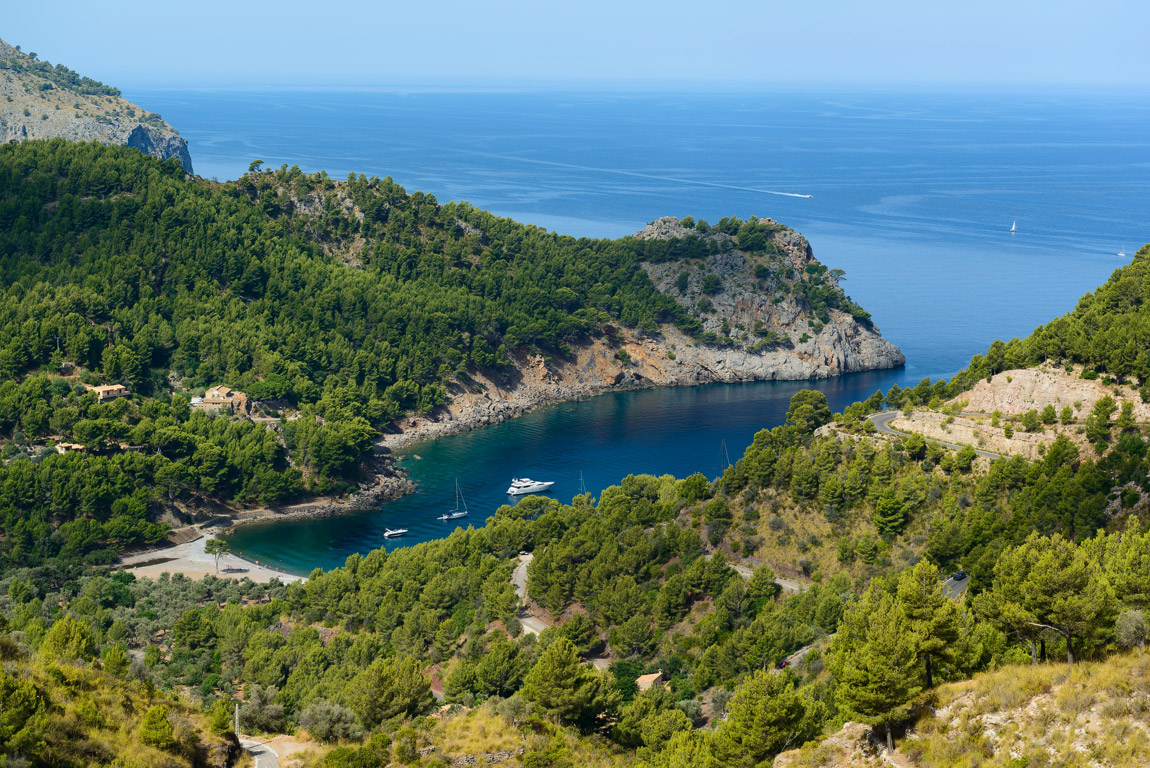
<point x="1057" y="550"/>
<point x="346" y="304"/>
<point x="1108" y="332"/>
<point x="632" y="578"/>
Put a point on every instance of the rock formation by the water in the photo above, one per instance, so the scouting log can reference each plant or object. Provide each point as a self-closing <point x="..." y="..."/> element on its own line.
<point x="39" y="101"/>
<point x="759" y="325"/>
<point x="760" y="307"/>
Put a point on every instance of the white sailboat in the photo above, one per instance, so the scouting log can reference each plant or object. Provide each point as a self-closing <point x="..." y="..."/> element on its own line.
<point x="391" y="533"/>
<point x="1013" y="227"/>
<point x="456" y="513"/>
<point x="1122" y="253"/>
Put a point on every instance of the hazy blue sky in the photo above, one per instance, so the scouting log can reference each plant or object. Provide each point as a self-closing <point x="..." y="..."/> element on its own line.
<point x="238" y="43"/>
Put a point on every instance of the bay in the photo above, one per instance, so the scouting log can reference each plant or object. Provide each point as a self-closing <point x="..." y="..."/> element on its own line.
<point x="912" y="194"/>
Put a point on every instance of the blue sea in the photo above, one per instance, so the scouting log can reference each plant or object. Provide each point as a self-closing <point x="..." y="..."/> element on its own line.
<point x="913" y="195"/>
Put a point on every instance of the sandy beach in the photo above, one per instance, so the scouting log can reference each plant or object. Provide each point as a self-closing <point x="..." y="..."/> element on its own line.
<point x="192" y="561"/>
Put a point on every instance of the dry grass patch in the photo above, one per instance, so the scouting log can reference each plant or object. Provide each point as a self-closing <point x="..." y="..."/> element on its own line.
<point x="477" y="732"/>
<point x="1041" y="716"/>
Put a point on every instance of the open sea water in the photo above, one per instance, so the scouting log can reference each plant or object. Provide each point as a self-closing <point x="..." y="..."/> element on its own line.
<point x="912" y="194"/>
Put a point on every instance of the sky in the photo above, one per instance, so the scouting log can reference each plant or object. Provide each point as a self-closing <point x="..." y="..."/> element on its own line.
<point x="588" y="43"/>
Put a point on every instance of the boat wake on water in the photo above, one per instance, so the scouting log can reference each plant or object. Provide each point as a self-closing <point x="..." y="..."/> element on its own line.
<point x="637" y="174"/>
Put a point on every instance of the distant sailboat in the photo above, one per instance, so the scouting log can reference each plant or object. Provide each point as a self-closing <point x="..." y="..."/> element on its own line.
<point x="1122" y="253"/>
<point x="582" y="485"/>
<point x="456" y="513"/>
<point x="1013" y="227"/>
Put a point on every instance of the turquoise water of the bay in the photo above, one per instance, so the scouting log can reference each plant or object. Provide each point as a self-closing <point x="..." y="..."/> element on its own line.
<point x="912" y="194"/>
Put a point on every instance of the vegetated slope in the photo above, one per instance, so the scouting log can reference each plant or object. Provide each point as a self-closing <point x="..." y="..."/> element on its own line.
<point x="43" y="102"/>
<point x="353" y="653"/>
<point x="1108" y="332"/>
<point x="65" y="707"/>
<point x="1091" y="714"/>
<point x="349" y="304"/>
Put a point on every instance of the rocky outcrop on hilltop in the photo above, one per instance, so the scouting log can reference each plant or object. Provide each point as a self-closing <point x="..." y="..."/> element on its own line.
<point x="765" y="316"/>
<point x="39" y="101"/>
<point x="775" y="312"/>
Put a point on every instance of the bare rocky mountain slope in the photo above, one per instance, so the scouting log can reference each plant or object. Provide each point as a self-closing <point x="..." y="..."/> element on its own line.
<point x="40" y="101"/>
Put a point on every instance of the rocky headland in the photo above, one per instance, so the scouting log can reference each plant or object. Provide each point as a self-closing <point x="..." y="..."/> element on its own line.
<point x="771" y="333"/>
<point x="38" y="101"/>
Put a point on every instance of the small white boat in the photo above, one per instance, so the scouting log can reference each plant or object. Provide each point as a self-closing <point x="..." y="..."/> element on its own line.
<point x="391" y="533"/>
<point x="524" y="485"/>
<point x="456" y="513"/>
<point x="1122" y="253"/>
<point x="1013" y="227"/>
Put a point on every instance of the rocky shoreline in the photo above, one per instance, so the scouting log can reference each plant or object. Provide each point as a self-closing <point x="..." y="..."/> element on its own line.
<point x="387" y="482"/>
<point x="671" y="360"/>
<point x="753" y="294"/>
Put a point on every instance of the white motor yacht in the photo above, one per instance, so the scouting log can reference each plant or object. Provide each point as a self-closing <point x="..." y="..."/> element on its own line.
<point x="391" y="533"/>
<point x="524" y="485"/>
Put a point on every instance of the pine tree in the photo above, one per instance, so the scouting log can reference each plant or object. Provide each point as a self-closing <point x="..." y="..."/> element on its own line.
<point x="873" y="660"/>
<point x="566" y="687"/>
<point x="686" y="749"/>
<point x="933" y="617"/>
<point x="765" y="717"/>
<point x="156" y="728"/>
<point x="1006" y="605"/>
<point x="69" y="639"/>
<point x="889" y="515"/>
<point x="388" y="688"/>
<point x="1126" y="559"/>
<point x="1068" y="592"/>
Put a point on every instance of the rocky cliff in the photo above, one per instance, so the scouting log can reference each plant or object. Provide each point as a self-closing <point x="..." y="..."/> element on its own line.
<point x="759" y="325"/>
<point x="771" y="311"/>
<point x="39" y="101"/>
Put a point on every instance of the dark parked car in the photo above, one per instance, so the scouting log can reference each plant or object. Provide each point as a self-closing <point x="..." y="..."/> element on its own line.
<point x="958" y="575"/>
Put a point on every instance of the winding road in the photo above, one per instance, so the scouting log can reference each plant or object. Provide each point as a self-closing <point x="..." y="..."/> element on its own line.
<point x="534" y="624"/>
<point x="265" y="756"/>
<point x="787" y="585"/>
<point x="530" y="623"/>
<point x="882" y="422"/>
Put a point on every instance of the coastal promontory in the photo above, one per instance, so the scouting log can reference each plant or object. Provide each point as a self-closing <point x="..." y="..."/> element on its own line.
<point x="262" y="341"/>
<point x="41" y="101"/>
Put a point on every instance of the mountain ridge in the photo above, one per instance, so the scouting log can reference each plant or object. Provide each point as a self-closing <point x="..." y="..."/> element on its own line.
<point x="43" y="102"/>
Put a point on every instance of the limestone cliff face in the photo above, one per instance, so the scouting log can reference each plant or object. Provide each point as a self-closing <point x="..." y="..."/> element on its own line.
<point x="773" y="310"/>
<point x="41" y="102"/>
<point x="767" y="307"/>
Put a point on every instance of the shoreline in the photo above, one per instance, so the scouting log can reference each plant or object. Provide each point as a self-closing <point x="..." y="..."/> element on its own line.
<point x="535" y="382"/>
<point x="389" y="481"/>
<point x="543" y="382"/>
<point x="191" y="561"/>
<point x="540" y="384"/>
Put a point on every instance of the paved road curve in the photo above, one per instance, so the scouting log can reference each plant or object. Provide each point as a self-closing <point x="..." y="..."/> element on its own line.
<point x="265" y="756"/>
<point x="882" y="422"/>
<point x="530" y="623"/>
<point x="787" y="585"/>
<point x="955" y="589"/>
